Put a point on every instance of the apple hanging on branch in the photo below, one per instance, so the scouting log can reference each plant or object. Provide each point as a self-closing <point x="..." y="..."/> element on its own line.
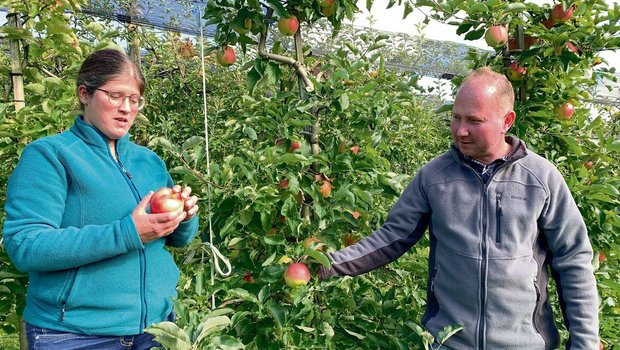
<point x="296" y="275"/>
<point x="496" y="36"/>
<point x="288" y="26"/>
<point x="166" y="200"/>
<point x="564" y="111"/>
<point x="226" y="56"/>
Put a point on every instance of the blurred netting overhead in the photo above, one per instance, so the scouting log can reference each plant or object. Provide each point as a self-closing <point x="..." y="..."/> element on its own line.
<point x="181" y="16"/>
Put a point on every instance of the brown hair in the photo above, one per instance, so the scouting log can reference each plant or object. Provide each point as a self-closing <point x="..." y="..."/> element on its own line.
<point x="104" y="65"/>
<point x="505" y="93"/>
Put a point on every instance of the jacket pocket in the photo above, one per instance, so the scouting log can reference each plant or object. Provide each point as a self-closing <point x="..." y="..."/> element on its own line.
<point x="66" y="291"/>
<point x="498" y="218"/>
<point x="536" y="309"/>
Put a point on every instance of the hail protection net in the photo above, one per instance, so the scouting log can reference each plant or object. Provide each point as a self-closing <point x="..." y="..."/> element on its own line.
<point x="181" y="16"/>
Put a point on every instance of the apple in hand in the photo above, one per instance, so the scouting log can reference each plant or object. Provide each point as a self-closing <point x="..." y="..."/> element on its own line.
<point x="296" y="275"/>
<point x="166" y="200"/>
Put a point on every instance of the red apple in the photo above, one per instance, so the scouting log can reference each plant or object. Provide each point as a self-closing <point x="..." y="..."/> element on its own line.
<point x="327" y="7"/>
<point x="349" y="239"/>
<point x="355" y="149"/>
<point x="226" y="56"/>
<point x="356" y="214"/>
<point x="166" y="200"/>
<point x="288" y="26"/>
<point x="589" y="164"/>
<point x="295" y="145"/>
<point x="248" y="277"/>
<point x="296" y="275"/>
<point x="559" y="15"/>
<point x="601" y="256"/>
<point x="326" y="189"/>
<point x="284" y="184"/>
<point x="548" y="23"/>
<point x="528" y="41"/>
<point x="313" y="242"/>
<point x="516" y="72"/>
<point x="564" y="111"/>
<point x="573" y="48"/>
<point x="496" y="36"/>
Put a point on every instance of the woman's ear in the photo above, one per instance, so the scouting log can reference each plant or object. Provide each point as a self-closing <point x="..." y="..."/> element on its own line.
<point x="83" y="94"/>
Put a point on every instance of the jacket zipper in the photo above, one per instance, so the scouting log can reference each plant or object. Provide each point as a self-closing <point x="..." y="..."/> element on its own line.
<point x="498" y="218"/>
<point x="64" y="295"/>
<point x="483" y="268"/>
<point x="142" y="257"/>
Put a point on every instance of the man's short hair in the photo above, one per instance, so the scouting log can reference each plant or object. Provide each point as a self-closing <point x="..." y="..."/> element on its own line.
<point x="505" y="91"/>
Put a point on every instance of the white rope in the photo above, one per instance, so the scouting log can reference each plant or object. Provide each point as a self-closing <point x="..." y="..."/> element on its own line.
<point x="216" y="256"/>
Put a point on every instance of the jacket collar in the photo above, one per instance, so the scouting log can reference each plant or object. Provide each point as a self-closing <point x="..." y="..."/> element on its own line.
<point x="92" y="136"/>
<point x="517" y="150"/>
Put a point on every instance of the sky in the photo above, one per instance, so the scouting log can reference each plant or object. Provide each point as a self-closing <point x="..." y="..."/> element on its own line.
<point x="391" y="20"/>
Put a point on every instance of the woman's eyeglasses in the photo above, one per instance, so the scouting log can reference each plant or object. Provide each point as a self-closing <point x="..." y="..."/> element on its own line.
<point x="116" y="98"/>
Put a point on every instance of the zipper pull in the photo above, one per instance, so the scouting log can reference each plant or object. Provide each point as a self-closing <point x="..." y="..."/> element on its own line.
<point x="62" y="314"/>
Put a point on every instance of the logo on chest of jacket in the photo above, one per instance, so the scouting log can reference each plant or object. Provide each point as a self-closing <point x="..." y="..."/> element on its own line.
<point x="518" y="198"/>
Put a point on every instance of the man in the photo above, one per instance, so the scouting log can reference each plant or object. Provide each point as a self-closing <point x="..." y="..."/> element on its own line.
<point x="500" y="218"/>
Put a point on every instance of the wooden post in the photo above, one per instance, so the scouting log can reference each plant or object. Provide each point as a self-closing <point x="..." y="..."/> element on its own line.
<point x="16" y="67"/>
<point x="17" y="80"/>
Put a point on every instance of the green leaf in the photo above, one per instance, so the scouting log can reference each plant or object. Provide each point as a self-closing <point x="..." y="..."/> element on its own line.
<point x="447" y="332"/>
<point x="210" y="326"/>
<point x="250" y="132"/>
<point x="354" y="334"/>
<point x="269" y="261"/>
<point x="278" y="313"/>
<point x="475" y="34"/>
<point x="290" y="158"/>
<point x="253" y="78"/>
<point x="343" y="101"/>
<point x="516" y="7"/>
<point x="278" y="8"/>
<point x="170" y="335"/>
<point x="318" y="256"/>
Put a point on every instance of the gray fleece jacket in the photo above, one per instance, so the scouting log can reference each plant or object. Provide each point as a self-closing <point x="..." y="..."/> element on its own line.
<point x="493" y="248"/>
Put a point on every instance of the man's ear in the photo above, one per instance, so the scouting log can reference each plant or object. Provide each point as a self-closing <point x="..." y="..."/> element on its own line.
<point x="509" y="119"/>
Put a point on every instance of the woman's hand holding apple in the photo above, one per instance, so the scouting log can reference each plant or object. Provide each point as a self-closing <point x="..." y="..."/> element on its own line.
<point x="154" y="226"/>
<point x="190" y="206"/>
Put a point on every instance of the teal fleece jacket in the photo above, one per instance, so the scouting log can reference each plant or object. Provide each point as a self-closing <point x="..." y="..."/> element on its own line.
<point x="68" y="223"/>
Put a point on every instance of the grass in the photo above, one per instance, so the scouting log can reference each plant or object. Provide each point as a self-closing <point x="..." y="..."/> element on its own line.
<point x="9" y="342"/>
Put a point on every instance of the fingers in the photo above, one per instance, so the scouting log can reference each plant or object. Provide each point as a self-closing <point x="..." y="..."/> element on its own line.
<point x="144" y="203"/>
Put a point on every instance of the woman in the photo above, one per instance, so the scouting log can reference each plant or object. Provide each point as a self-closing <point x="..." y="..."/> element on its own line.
<point x="77" y="220"/>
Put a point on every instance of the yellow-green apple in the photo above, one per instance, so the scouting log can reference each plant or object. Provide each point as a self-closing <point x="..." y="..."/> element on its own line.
<point x="496" y="36"/>
<point x="247" y="25"/>
<point x="327" y="7"/>
<point x="296" y="275"/>
<point x="288" y="26"/>
<point x="285" y="260"/>
<point x="226" y="56"/>
<point x="564" y="111"/>
<point x="166" y="200"/>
